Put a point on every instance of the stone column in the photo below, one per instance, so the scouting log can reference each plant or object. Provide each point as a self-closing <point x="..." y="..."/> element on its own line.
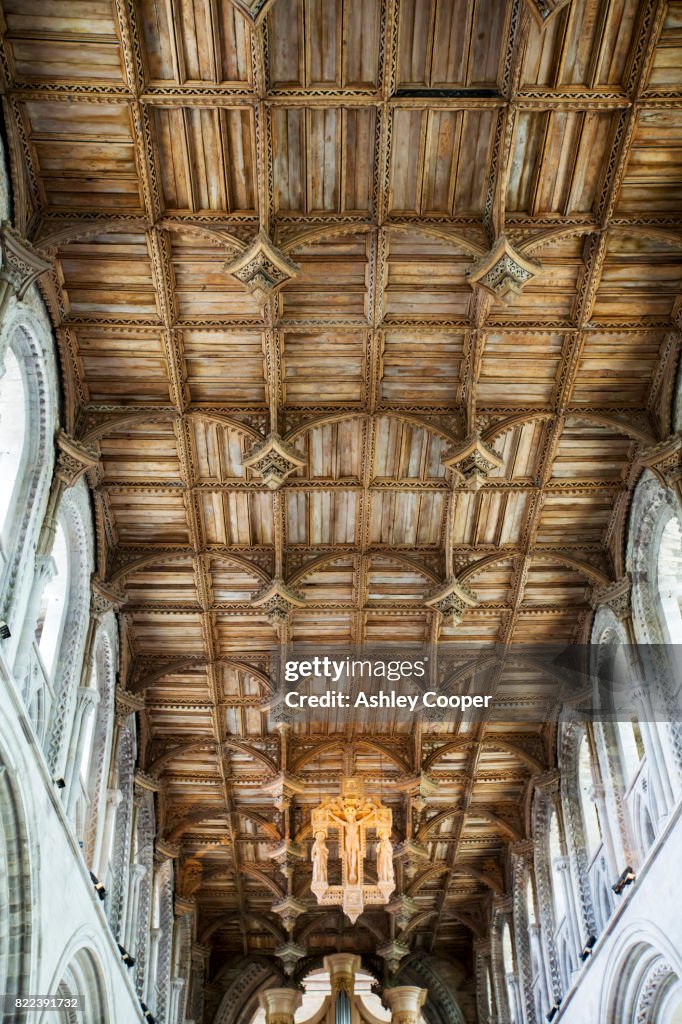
<point x="405" y="1003"/>
<point x="655" y="756"/>
<point x="342" y="969"/>
<point x="176" y="986"/>
<point x="137" y="873"/>
<point x="563" y="867"/>
<point x="150" y="983"/>
<point x="280" y="1005"/>
<point x="100" y="859"/>
<point x="597" y="795"/>
<point x="44" y="570"/>
<point x="87" y="700"/>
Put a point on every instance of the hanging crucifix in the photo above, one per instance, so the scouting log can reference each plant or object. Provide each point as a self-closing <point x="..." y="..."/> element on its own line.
<point x="352" y="815"/>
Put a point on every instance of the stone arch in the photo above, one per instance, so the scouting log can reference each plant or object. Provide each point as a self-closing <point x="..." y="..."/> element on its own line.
<point x="106" y="662"/>
<point x="27" y="333"/>
<point x="74" y="511"/>
<point x="644" y="971"/>
<point x="81" y="974"/>
<point x="16" y="900"/>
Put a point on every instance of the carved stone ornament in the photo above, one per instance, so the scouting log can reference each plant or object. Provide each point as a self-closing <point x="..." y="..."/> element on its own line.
<point x="392" y="953"/>
<point x="277" y="600"/>
<point x="352" y="815"/>
<point x="21" y="265"/>
<point x="616" y="596"/>
<point x="472" y="461"/>
<point x="73" y="459"/>
<point x="544" y="10"/>
<point x="451" y="599"/>
<point x="262" y="269"/>
<point x="273" y="459"/>
<point x="280" y="1004"/>
<point x="405" y="1003"/>
<point x="289" y="955"/>
<point x="503" y="271"/>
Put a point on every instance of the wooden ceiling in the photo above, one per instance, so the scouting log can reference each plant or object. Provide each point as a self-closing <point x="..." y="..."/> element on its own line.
<point x="383" y="146"/>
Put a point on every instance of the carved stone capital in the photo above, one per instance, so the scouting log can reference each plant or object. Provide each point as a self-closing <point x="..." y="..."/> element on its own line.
<point x="523" y="848"/>
<point x="73" y="459"/>
<point x="273" y="459"/>
<point x="405" y="1003"/>
<point x="451" y="599"/>
<point x="87" y="697"/>
<point x="262" y="269"/>
<point x="503" y="272"/>
<point x="280" y="1004"/>
<point x="342" y="968"/>
<point x="472" y="461"/>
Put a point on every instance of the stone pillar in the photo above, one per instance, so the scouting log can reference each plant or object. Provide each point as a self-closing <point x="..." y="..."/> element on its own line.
<point x="150" y="982"/>
<point x="654" y="751"/>
<point x="280" y="1005"/>
<point x="87" y="700"/>
<point x="176" y="986"/>
<point x="44" y="570"/>
<point x="563" y="867"/>
<point x="137" y="873"/>
<point x="342" y="969"/>
<point x="597" y="795"/>
<point x="101" y="855"/>
<point x="405" y="1003"/>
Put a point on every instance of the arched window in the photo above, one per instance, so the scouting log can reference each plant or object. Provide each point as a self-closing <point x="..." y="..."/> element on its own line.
<point x="591" y="825"/>
<point x="555" y="859"/>
<point x="12" y="438"/>
<point x="52" y="612"/>
<point x="631" y="748"/>
<point x="669" y="576"/>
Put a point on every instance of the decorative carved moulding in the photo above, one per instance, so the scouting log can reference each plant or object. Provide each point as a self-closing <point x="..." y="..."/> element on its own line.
<point x="665" y="460"/>
<point x="472" y="461"/>
<point x="273" y="459"/>
<point x="289" y="954"/>
<point x="255" y="10"/>
<point x="127" y="703"/>
<point x="283" y="788"/>
<point x="503" y="272"/>
<point x="20" y="266"/>
<point x="451" y="599"/>
<point x="262" y="269"/>
<point x="105" y="597"/>
<point x="405" y="1003"/>
<point x="616" y="596"/>
<point x="288" y="910"/>
<point x="403" y="909"/>
<point x="286" y="855"/>
<point x="392" y="953"/>
<point x="413" y="855"/>
<point x="277" y="600"/>
<point x="153" y="785"/>
<point x="544" y="10"/>
<point x="280" y="1004"/>
<point x="73" y="459"/>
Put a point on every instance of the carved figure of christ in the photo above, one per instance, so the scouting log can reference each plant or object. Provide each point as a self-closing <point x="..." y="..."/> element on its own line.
<point x="351" y="840"/>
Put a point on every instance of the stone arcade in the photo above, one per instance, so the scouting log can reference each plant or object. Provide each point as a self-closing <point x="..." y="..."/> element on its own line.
<point x="339" y="323"/>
